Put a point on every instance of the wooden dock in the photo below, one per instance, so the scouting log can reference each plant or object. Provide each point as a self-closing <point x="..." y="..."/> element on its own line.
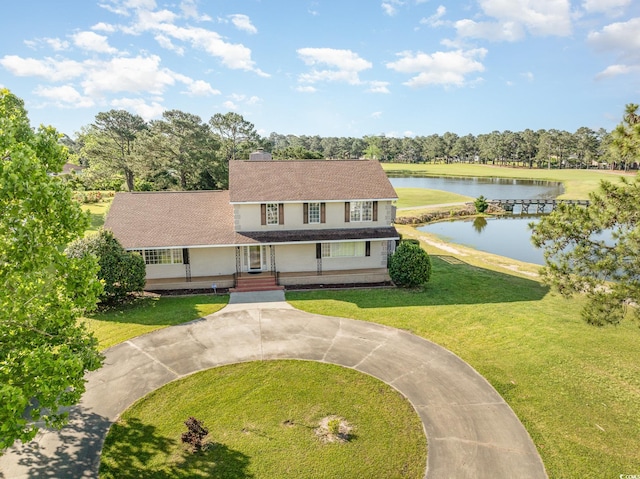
<point x="535" y="206"/>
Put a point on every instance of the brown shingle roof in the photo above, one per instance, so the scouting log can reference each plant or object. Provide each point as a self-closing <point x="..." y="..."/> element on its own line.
<point x="163" y="219"/>
<point x="308" y="180"/>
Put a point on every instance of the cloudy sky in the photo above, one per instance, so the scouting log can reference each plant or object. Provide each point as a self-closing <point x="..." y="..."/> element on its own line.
<point x="328" y="67"/>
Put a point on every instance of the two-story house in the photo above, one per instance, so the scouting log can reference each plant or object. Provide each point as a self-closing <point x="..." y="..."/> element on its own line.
<point x="297" y="222"/>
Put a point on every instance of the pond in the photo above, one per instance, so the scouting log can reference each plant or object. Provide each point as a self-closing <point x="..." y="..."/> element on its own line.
<point x="491" y="188"/>
<point x="510" y="237"/>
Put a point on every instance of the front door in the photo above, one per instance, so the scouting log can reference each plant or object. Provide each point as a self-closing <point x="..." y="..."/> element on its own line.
<point x="254" y="258"/>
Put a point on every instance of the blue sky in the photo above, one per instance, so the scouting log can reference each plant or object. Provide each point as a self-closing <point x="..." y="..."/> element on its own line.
<point x="328" y="67"/>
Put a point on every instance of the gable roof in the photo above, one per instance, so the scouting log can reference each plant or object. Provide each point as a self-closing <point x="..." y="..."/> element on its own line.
<point x="308" y="180"/>
<point x="171" y="218"/>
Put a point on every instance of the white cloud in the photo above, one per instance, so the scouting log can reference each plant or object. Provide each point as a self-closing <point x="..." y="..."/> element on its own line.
<point x="190" y="10"/>
<point x="306" y="89"/>
<point x="376" y="114"/>
<point x="609" y="7"/>
<point x="57" y="44"/>
<point x="527" y="75"/>
<point x="435" y="20"/>
<point x="439" y="68"/>
<point x="514" y="17"/>
<point x="92" y="41"/>
<point x="148" y="111"/>
<point x="65" y="96"/>
<point x="243" y="22"/>
<point x="345" y="63"/>
<point x="623" y="40"/>
<point x="201" y="88"/>
<point x="390" y="7"/>
<point x="378" y="87"/>
<point x="165" y="42"/>
<point x="136" y="74"/>
<point x="55" y="70"/>
<point x="104" y="27"/>
<point x="229" y="105"/>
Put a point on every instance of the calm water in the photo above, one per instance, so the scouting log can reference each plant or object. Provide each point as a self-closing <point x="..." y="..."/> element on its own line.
<point x="491" y="188"/>
<point x="510" y="237"/>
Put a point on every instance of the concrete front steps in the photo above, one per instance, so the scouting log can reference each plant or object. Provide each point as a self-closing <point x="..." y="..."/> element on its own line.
<point x="258" y="282"/>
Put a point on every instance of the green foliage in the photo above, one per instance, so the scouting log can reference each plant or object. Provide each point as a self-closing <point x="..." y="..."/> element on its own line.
<point x="579" y="260"/>
<point x="481" y="204"/>
<point x="409" y="265"/>
<point x="333" y="426"/>
<point x="44" y="351"/>
<point x="120" y="272"/>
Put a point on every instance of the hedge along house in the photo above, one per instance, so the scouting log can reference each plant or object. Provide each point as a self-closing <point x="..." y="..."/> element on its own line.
<point x="285" y="222"/>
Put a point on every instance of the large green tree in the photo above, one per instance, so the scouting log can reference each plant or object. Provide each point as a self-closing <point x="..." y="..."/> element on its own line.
<point x="44" y="350"/>
<point x="110" y="145"/>
<point x="236" y="134"/>
<point x="184" y="146"/>
<point x="596" y="250"/>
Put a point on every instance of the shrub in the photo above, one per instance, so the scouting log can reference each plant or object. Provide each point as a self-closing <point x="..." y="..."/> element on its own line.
<point x="196" y="432"/>
<point x="121" y="272"/>
<point x="481" y="204"/>
<point x="409" y="265"/>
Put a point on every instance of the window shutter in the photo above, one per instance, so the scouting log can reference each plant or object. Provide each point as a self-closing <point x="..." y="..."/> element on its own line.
<point x="263" y="214"/>
<point x="318" y="250"/>
<point x="375" y="211"/>
<point x="367" y="248"/>
<point x="323" y="212"/>
<point x="185" y="255"/>
<point x="305" y="213"/>
<point x="281" y="213"/>
<point x="347" y="212"/>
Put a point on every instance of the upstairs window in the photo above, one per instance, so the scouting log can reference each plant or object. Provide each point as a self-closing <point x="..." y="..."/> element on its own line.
<point x="272" y="214"/>
<point x="314" y="213"/>
<point x="361" y="211"/>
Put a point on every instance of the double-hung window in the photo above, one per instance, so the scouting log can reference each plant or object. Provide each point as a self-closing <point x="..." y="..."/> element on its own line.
<point x="348" y="249"/>
<point x="272" y="213"/>
<point x="314" y="212"/>
<point x="361" y="211"/>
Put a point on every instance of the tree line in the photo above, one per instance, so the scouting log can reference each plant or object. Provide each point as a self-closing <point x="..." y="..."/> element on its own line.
<point x="181" y="151"/>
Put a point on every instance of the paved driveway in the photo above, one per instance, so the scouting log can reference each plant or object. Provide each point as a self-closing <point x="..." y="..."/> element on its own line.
<point x="471" y="431"/>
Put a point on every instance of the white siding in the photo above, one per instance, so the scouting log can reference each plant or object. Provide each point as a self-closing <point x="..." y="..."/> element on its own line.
<point x="302" y="258"/>
<point x="212" y="261"/>
<point x="247" y="217"/>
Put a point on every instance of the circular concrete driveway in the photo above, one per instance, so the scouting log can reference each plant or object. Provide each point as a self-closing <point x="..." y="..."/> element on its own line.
<point x="471" y="431"/>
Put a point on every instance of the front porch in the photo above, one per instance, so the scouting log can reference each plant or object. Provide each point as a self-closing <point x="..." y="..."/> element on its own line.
<point x="288" y="280"/>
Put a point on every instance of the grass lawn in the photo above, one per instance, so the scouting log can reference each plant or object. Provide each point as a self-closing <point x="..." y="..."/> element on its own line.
<point x="576" y="388"/>
<point x="148" y="314"/>
<point x="97" y="212"/>
<point x="262" y="418"/>
<point x="413" y="197"/>
<point x="577" y="183"/>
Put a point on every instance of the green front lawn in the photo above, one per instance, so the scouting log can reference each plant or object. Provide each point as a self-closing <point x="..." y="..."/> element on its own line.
<point x="148" y="314"/>
<point x="576" y="388"/>
<point x="262" y="419"/>
<point x="97" y="213"/>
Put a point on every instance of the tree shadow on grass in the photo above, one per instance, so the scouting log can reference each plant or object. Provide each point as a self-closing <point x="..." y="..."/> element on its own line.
<point x="131" y="445"/>
<point x="450" y="284"/>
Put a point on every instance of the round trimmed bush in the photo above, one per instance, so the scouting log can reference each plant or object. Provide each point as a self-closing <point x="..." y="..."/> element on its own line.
<point x="409" y="265"/>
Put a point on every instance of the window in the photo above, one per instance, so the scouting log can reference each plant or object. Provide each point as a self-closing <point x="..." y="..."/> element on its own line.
<point x="361" y="211"/>
<point x="348" y="249"/>
<point x="272" y="213"/>
<point x="314" y="212"/>
<point x="161" y="256"/>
